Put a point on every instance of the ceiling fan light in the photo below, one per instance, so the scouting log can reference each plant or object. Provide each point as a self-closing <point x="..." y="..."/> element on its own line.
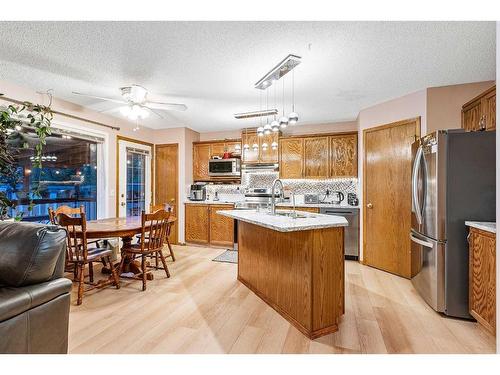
<point x="125" y="111"/>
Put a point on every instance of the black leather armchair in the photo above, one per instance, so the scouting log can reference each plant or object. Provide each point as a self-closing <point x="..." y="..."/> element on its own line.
<point x="34" y="296"/>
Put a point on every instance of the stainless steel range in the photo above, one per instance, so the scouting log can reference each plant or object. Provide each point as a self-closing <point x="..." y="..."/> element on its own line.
<point x="256" y="198"/>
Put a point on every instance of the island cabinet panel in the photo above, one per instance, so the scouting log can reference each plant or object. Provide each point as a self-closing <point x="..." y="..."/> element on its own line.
<point x="221" y="227"/>
<point x="300" y="274"/>
<point x="201" y="155"/>
<point x="197" y="228"/>
<point x="482" y="278"/>
<point x="316" y="157"/>
<point x="291" y="151"/>
<point x="343" y="155"/>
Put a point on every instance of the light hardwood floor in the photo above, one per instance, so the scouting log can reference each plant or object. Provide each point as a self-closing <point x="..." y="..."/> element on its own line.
<point x="202" y="308"/>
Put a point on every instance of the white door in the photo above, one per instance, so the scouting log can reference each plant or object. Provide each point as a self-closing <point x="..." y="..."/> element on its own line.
<point x="134" y="193"/>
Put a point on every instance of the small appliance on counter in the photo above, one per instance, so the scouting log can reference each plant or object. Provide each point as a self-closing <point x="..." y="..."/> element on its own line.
<point x="311" y="198"/>
<point x="198" y="192"/>
<point x="337" y="197"/>
<point x="352" y="199"/>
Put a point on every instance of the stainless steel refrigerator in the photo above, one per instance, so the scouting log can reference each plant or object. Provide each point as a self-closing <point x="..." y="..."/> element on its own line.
<point x="453" y="180"/>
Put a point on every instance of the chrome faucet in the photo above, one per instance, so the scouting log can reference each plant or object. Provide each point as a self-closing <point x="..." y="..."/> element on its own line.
<point x="273" y="199"/>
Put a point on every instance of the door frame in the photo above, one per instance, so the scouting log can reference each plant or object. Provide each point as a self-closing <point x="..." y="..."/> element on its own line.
<point x="418" y="125"/>
<point x="177" y="191"/>
<point x="132" y="140"/>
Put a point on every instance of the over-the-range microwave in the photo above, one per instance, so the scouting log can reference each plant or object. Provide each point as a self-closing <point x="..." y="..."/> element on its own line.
<point x="224" y="167"/>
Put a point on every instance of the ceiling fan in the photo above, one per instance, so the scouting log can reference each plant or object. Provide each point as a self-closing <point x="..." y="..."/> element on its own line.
<point x="136" y="103"/>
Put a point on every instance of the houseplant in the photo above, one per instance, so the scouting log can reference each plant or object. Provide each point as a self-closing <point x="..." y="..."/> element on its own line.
<point x="12" y="117"/>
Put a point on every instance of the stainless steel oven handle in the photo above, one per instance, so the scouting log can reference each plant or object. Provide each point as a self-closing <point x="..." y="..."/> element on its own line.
<point x="414" y="178"/>
<point x="421" y="242"/>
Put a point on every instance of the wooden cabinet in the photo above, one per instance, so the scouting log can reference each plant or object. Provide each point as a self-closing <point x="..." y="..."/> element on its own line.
<point x="249" y="156"/>
<point x="343" y="155"/>
<point x="206" y="227"/>
<point x="204" y="151"/>
<point x="480" y="112"/>
<point x="316" y="157"/>
<point x="197" y="228"/>
<point x="201" y="155"/>
<point x="260" y="156"/>
<point x="291" y="157"/>
<point x="482" y="277"/>
<point x="221" y="227"/>
<point x="321" y="156"/>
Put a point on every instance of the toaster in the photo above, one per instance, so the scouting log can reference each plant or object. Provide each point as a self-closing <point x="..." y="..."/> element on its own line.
<point x="311" y="198"/>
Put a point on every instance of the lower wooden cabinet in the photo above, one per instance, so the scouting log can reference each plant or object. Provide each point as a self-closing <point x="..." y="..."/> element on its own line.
<point x="482" y="277"/>
<point x="197" y="228"/>
<point x="206" y="227"/>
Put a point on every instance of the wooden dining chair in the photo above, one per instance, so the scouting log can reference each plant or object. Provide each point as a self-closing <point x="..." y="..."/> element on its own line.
<point x="170" y="209"/>
<point x="73" y="212"/>
<point x="152" y="241"/>
<point x="79" y="254"/>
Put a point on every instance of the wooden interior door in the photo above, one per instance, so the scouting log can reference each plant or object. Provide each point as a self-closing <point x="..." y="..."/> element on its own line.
<point x="167" y="181"/>
<point x="387" y="196"/>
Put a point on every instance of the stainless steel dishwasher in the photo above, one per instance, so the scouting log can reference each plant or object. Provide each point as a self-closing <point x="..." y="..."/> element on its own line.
<point x="351" y="235"/>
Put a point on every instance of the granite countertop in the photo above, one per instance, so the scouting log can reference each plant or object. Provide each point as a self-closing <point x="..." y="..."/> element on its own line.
<point x="285" y="223"/>
<point x="483" y="225"/>
<point x="210" y="202"/>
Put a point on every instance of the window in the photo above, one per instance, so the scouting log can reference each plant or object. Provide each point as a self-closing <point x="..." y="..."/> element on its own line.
<point x="68" y="176"/>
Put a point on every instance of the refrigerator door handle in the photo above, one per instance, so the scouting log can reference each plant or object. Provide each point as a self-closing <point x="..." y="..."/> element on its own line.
<point x="421" y="242"/>
<point x="415" y="201"/>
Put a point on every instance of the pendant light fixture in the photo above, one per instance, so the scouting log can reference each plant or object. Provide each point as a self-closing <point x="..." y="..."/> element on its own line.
<point x="293" y="117"/>
<point x="260" y="129"/>
<point x="274" y="145"/>
<point x="246" y="146"/>
<point x="275" y="126"/>
<point x="283" y="121"/>
<point x="267" y="127"/>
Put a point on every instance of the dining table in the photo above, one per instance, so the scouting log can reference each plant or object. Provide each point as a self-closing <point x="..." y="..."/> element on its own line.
<point x="125" y="228"/>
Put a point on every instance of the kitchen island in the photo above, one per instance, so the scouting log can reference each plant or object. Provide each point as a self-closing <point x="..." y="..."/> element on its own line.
<point x="294" y="264"/>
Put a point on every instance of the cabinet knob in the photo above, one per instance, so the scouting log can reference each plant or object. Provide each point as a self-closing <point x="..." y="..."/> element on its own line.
<point x="369" y="205"/>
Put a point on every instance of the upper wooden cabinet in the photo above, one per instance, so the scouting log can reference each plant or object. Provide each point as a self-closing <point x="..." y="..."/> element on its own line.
<point x="291" y="157"/>
<point x="204" y="151"/>
<point x="480" y="112"/>
<point x="316" y="157"/>
<point x="321" y="156"/>
<point x="201" y="156"/>
<point x="343" y="155"/>
<point x="260" y="156"/>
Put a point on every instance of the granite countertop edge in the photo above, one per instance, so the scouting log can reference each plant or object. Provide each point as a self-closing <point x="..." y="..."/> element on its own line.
<point x="283" y="204"/>
<point x="487" y="226"/>
<point x="285" y="227"/>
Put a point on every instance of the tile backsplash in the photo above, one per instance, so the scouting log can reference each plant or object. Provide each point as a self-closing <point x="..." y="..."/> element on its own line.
<point x="297" y="186"/>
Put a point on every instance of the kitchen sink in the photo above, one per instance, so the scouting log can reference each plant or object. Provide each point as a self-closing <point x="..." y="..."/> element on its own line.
<point x="294" y="215"/>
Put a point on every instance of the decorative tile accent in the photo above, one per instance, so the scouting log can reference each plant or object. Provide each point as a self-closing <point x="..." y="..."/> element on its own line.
<point x="297" y="186"/>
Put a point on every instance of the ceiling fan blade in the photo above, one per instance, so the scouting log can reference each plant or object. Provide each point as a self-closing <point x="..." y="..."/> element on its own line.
<point x="153" y="111"/>
<point x="101" y="98"/>
<point x="166" y="106"/>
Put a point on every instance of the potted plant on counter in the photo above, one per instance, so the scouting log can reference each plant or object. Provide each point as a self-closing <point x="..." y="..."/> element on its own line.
<point x="12" y="119"/>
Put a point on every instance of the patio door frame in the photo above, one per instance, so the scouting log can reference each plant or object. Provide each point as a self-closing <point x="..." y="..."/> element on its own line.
<point x="119" y="139"/>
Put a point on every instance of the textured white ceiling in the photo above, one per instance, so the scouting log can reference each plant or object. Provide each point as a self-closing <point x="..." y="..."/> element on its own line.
<point x="212" y="66"/>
